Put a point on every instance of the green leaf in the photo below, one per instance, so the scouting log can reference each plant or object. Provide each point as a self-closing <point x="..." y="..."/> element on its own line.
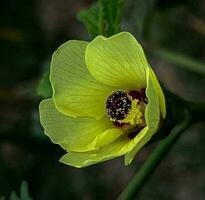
<point x="181" y="60"/>
<point x="2" y="198"/>
<point x="14" y="196"/>
<point x="111" y="12"/>
<point x="24" y="194"/>
<point x="90" y="18"/>
<point x="24" y="191"/>
<point x="102" y="18"/>
<point x="44" y="87"/>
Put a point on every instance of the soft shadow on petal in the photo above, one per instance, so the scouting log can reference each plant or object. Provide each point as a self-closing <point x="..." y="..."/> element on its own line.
<point x="76" y="92"/>
<point x="152" y="117"/>
<point x="76" y="134"/>
<point x="117" y="61"/>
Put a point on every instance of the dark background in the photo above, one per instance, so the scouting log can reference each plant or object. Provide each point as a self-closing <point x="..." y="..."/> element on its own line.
<point x="30" y="31"/>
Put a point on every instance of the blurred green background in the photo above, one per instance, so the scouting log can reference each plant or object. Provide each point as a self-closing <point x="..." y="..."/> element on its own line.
<point x="172" y="33"/>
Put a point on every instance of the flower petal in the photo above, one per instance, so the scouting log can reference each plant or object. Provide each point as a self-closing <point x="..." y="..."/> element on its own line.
<point x="117" y="61"/>
<point x="152" y="117"/>
<point x="76" y="134"/>
<point x="123" y="145"/>
<point x="115" y="149"/>
<point x="162" y="101"/>
<point x="118" y="147"/>
<point x="76" y="92"/>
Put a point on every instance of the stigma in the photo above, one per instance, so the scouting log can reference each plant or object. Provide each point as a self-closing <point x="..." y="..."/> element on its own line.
<point x="118" y="105"/>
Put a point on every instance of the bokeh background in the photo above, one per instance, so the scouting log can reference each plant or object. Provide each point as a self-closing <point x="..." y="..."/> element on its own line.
<point x="173" y="35"/>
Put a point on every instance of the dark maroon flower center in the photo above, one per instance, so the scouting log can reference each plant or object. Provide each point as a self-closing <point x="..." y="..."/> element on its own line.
<point x="140" y="95"/>
<point x="118" y="105"/>
<point x="135" y="132"/>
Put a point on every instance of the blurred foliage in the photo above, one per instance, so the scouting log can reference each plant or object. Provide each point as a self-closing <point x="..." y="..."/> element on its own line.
<point x="111" y="16"/>
<point x="102" y="18"/>
<point x="29" y="36"/>
<point x="24" y="194"/>
<point x="90" y="18"/>
<point x="44" y="89"/>
<point x="181" y="60"/>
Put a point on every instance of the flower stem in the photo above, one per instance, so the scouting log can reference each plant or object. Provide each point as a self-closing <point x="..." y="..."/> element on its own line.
<point x="158" y="154"/>
<point x="180" y="60"/>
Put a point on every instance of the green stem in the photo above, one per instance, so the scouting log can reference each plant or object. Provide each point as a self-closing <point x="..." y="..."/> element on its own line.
<point x="181" y="60"/>
<point x="158" y="154"/>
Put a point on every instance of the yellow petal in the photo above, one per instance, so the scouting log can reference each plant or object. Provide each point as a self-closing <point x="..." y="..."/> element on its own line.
<point x="115" y="149"/>
<point x="152" y="118"/>
<point x="117" y="61"/>
<point x="76" y="134"/>
<point x="76" y="92"/>
<point x="162" y="101"/>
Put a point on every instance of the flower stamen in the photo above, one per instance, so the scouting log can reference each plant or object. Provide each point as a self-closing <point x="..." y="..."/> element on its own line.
<point x="126" y="109"/>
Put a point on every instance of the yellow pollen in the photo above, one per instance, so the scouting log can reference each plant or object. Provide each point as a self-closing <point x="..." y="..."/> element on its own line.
<point x="135" y="116"/>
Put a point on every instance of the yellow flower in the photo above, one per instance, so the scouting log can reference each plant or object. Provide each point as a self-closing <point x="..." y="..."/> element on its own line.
<point x="106" y="100"/>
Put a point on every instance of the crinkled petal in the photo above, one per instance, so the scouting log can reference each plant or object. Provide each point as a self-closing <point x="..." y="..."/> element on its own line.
<point x="76" y="134"/>
<point x="152" y="117"/>
<point x="76" y="92"/>
<point x="117" y="61"/>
